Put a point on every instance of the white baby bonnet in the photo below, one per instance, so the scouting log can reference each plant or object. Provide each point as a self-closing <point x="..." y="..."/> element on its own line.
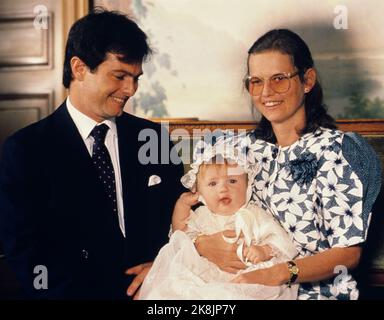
<point x="233" y="148"/>
<point x="224" y="145"/>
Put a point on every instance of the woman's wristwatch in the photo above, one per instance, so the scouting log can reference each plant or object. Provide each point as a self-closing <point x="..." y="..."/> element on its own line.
<point x="293" y="272"/>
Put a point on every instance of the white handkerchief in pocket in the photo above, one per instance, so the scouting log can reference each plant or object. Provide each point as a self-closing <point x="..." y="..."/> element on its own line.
<point x="153" y="180"/>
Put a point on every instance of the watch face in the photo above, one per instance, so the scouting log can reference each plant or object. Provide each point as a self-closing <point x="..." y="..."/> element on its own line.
<point x="294" y="269"/>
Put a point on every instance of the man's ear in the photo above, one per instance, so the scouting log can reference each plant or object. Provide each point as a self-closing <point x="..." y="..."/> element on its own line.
<point x="79" y="68"/>
<point x="310" y="77"/>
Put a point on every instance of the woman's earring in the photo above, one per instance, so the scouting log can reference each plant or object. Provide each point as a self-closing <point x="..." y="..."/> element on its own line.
<point x="306" y="90"/>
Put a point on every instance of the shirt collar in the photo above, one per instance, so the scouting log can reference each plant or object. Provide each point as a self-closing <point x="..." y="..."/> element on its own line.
<point x="85" y="124"/>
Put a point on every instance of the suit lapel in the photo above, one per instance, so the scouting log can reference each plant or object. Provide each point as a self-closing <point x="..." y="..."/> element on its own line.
<point x="129" y="167"/>
<point x="76" y="164"/>
<point x="72" y="154"/>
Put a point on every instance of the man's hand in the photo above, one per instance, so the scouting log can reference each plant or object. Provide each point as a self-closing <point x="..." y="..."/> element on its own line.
<point x="215" y="249"/>
<point x="140" y="271"/>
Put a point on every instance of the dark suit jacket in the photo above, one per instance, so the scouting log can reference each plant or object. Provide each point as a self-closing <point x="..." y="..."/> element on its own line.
<point x="54" y="213"/>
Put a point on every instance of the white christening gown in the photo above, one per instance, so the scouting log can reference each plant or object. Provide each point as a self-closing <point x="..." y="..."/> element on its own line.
<point x="180" y="273"/>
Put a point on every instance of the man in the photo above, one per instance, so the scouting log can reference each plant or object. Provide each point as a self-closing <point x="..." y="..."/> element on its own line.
<point x="77" y="206"/>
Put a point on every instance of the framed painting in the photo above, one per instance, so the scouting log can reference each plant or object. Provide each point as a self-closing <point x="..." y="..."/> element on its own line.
<point x="201" y="51"/>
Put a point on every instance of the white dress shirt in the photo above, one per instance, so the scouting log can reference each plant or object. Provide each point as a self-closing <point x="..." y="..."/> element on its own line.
<point x="85" y="125"/>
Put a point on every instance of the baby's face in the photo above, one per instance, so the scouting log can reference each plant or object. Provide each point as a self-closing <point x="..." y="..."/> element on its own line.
<point x="223" y="187"/>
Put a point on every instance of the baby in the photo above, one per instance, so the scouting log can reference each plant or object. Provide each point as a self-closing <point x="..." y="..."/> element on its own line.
<point x="222" y="181"/>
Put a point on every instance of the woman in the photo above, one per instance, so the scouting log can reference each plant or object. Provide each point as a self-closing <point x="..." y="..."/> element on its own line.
<point x="319" y="182"/>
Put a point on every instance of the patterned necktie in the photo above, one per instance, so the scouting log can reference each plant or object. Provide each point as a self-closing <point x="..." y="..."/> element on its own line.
<point x="102" y="161"/>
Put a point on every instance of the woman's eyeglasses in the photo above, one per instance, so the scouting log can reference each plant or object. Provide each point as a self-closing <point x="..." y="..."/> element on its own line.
<point x="279" y="83"/>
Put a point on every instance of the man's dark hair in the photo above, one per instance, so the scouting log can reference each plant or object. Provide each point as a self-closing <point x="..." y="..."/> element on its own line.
<point x="287" y="42"/>
<point x="101" y="32"/>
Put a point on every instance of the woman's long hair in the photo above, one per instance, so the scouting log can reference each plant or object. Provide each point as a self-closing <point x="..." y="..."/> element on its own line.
<point x="288" y="42"/>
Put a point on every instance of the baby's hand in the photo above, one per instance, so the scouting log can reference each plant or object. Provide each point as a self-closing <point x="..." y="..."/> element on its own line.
<point x="188" y="199"/>
<point x="256" y="254"/>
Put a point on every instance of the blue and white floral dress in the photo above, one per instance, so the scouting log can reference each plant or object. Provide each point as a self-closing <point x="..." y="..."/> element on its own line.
<point x="321" y="189"/>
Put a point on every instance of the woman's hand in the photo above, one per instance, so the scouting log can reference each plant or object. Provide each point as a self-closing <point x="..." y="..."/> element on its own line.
<point x="273" y="276"/>
<point x="182" y="209"/>
<point x="140" y="271"/>
<point x="188" y="199"/>
<point x="215" y="249"/>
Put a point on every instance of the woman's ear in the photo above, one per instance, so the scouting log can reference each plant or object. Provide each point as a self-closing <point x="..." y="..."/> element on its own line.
<point x="310" y="77"/>
<point x="79" y="68"/>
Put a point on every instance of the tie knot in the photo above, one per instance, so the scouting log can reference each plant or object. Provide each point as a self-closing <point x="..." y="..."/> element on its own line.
<point x="99" y="132"/>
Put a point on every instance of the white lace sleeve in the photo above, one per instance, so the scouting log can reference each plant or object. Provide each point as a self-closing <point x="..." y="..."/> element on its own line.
<point x="191" y="217"/>
<point x="199" y="222"/>
<point x="193" y="225"/>
<point x="268" y="231"/>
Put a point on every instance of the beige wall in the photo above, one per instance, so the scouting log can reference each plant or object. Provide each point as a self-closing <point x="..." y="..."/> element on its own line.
<point x="31" y="59"/>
